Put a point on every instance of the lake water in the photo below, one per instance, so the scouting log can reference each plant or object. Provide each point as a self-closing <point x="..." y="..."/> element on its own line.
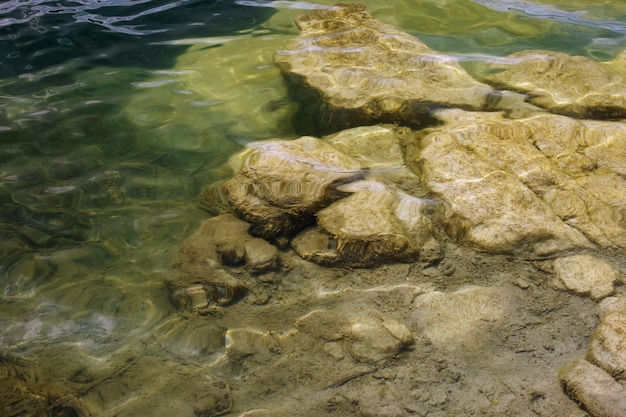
<point x="114" y="116"/>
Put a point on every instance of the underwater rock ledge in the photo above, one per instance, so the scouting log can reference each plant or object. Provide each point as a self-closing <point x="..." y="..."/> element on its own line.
<point x="570" y="85"/>
<point x="352" y="70"/>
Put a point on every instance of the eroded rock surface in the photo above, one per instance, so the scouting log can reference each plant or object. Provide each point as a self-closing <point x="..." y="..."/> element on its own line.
<point x="201" y="280"/>
<point x="608" y="344"/>
<point x="569" y="85"/>
<point x="283" y="187"/>
<point x="363" y="71"/>
<point x="373" y="225"/>
<point x="367" y="336"/>
<point x="280" y="185"/>
<point x="594" y="388"/>
<point x="531" y="182"/>
<point x="460" y="318"/>
<point x="586" y="275"/>
<point x="597" y="381"/>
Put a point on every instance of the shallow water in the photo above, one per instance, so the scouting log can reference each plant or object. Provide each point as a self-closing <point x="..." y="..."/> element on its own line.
<point x="115" y="115"/>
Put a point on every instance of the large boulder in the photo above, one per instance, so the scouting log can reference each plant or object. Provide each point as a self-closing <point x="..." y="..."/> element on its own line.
<point x="530" y="183"/>
<point x="360" y="71"/>
<point x="569" y="85"/>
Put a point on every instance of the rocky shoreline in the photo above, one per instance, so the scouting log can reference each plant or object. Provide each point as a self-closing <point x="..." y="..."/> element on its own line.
<point x="522" y="181"/>
<point x="435" y="245"/>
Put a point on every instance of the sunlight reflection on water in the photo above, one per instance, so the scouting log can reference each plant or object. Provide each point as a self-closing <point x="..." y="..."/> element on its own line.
<point x="102" y="163"/>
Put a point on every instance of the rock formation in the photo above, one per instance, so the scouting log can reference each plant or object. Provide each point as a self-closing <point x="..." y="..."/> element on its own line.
<point x="282" y="184"/>
<point x="596" y="382"/>
<point x="360" y="71"/>
<point x="200" y="280"/>
<point x="283" y="187"/>
<point x="549" y="183"/>
<point x="570" y="85"/>
<point x="586" y="275"/>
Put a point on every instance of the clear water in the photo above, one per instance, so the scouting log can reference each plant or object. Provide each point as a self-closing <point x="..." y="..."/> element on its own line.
<point x="114" y="115"/>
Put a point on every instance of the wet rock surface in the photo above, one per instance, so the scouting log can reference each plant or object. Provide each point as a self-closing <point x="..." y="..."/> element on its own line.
<point x="607" y="348"/>
<point x="594" y="388"/>
<point x="471" y="230"/>
<point x="597" y="382"/>
<point x="570" y="85"/>
<point x="586" y="275"/>
<point x="372" y="225"/>
<point x="281" y="184"/>
<point x="344" y="187"/>
<point x="461" y="310"/>
<point x="129" y="383"/>
<point x="200" y="279"/>
<point x="508" y="185"/>
<point x="361" y="71"/>
<point x="376" y="341"/>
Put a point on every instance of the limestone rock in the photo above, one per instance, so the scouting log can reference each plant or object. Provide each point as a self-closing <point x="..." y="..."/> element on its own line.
<point x="375" y="224"/>
<point x="225" y="240"/>
<point x="373" y="339"/>
<point x="365" y="71"/>
<point x="494" y="209"/>
<point x="586" y="274"/>
<point x="241" y="342"/>
<point x="146" y="380"/>
<point x="200" y="280"/>
<point x="455" y="319"/>
<point x="611" y="305"/>
<point x="373" y="146"/>
<point x="368" y="335"/>
<point x="569" y="85"/>
<point x="24" y="391"/>
<point x="536" y="181"/>
<point x="594" y="388"/>
<point x="379" y="150"/>
<point x="608" y="344"/>
<point x="280" y="185"/>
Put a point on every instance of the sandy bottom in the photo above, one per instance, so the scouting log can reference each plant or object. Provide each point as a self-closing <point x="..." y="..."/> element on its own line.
<point x="473" y="334"/>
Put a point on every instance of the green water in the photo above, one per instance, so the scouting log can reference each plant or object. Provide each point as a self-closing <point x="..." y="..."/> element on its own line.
<point x="102" y="159"/>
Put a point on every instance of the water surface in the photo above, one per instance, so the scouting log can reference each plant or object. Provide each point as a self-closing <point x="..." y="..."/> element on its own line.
<point x="114" y="115"/>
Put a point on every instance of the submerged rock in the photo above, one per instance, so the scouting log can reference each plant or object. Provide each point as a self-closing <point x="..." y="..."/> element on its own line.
<point x="282" y="184"/>
<point x="586" y="274"/>
<point x="534" y="182"/>
<point x="608" y="344"/>
<point x="24" y="391"/>
<point x="368" y="336"/>
<point x="569" y="85"/>
<point x="375" y="224"/>
<point x="200" y="281"/>
<point x="597" y="381"/>
<point x="594" y="388"/>
<point x="283" y="187"/>
<point x="458" y="319"/>
<point x="224" y="240"/>
<point x="361" y="71"/>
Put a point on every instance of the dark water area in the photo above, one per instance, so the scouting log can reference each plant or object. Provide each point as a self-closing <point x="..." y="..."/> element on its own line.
<point x="115" y="115"/>
<point x="35" y="35"/>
